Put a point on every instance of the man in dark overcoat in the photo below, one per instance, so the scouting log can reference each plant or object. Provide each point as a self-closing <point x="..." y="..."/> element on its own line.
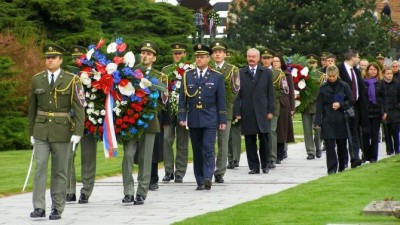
<point x="255" y="106"/>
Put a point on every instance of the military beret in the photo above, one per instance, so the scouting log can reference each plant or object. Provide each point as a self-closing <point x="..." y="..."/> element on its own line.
<point x="312" y="58"/>
<point x="218" y="45"/>
<point x="200" y="49"/>
<point x="380" y="55"/>
<point x="76" y="51"/>
<point x="265" y="52"/>
<point x="51" y="50"/>
<point x="324" y="55"/>
<point x="149" y="46"/>
<point x="178" y="47"/>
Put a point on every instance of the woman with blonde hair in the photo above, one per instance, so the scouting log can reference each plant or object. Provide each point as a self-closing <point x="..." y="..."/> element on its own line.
<point x="334" y="98"/>
<point x="376" y="112"/>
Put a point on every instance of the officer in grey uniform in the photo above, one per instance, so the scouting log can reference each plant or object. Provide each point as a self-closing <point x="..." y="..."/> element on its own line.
<point x="173" y="129"/>
<point x="54" y="94"/>
<point x="88" y="153"/>
<point x="144" y="146"/>
<point x="202" y="109"/>
<point x="232" y="86"/>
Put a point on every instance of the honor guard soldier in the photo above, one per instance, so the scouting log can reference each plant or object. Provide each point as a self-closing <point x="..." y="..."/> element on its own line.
<point x="202" y="109"/>
<point x="324" y="63"/>
<point x="380" y="58"/>
<point x="174" y="130"/>
<point x="54" y="94"/>
<point x="143" y="147"/>
<point x="232" y="86"/>
<point x="88" y="155"/>
<point x="266" y="57"/>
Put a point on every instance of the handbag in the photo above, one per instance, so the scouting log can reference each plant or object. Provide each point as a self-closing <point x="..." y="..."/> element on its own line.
<point x="350" y="112"/>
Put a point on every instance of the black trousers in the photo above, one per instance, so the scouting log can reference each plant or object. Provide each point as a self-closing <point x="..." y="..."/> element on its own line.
<point x="392" y="138"/>
<point x="253" y="158"/>
<point x="335" y="160"/>
<point x="370" y="140"/>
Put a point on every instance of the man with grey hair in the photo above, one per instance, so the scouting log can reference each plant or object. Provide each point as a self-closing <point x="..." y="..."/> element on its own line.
<point x="254" y="105"/>
<point x="395" y="68"/>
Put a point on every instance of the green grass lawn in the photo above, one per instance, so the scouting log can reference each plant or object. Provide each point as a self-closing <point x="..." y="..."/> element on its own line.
<point x="338" y="198"/>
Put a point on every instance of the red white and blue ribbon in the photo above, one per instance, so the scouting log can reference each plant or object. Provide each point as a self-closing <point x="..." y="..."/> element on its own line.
<point x="109" y="138"/>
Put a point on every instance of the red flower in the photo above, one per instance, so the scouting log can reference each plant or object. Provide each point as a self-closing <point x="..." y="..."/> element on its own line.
<point x="121" y="47"/>
<point x="136" y="116"/>
<point x="117" y="60"/>
<point x="129" y="112"/>
<point x="101" y="43"/>
<point x="116" y="95"/>
<point x="140" y="93"/>
<point x="123" y="82"/>
<point x="180" y="71"/>
<point x="105" y="83"/>
<point x="87" y="123"/>
<point x="100" y="68"/>
<point x="118" y="122"/>
<point x="124" y="126"/>
<point x="117" y="130"/>
<point x="92" y="129"/>
<point x="131" y="120"/>
<point x="101" y="129"/>
<point x="125" y="119"/>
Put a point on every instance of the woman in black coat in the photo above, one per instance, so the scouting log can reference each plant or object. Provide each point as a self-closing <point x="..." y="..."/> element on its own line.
<point x="373" y="94"/>
<point x="392" y="120"/>
<point x="333" y="99"/>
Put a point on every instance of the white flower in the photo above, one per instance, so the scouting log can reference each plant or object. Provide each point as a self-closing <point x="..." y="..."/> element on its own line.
<point x="117" y="103"/>
<point x="127" y="90"/>
<point x="89" y="54"/>
<point x="144" y="83"/>
<point x="96" y="75"/>
<point x="178" y="76"/>
<point x="111" y="68"/>
<point x="111" y="48"/>
<point x="178" y="84"/>
<point x="94" y="90"/>
<point x="294" y="72"/>
<point x="97" y="112"/>
<point x="296" y="92"/>
<point x="181" y="65"/>
<point x="91" y="105"/>
<point x="304" y="71"/>
<point x="129" y="59"/>
<point x="301" y="84"/>
<point x="89" y="111"/>
<point x="85" y="79"/>
<point x="92" y="97"/>
<point x="117" y="111"/>
<point x="297" y="103"/>
<point x="103" y="112"/>
<point x="124" y="102"/>
<point x="87" y="94"/>
<point x="100" y="120"/>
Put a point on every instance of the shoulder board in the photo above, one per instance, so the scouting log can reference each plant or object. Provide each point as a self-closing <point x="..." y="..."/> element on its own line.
<point x="191" y="70"/>
<point x="69" y="73"/>
<point x="39" y="73"/>
<point x="167" y="66"/>
<point x="212" y="69"/>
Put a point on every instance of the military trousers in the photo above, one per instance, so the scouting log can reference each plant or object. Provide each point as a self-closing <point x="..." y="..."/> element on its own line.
<point x="223" y="146"/>
<point x="88" y="163"/>
<point x="180" y="161"/>
<point x="273" y="143"/>
<point x="59" y="152"/>
<point x="203" y="144"/>
<point x="144" y="148"/>
<point x="235" y="143"/>
<point x="312" y="137"/>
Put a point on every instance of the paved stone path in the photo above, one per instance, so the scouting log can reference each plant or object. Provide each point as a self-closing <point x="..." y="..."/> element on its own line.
<point x="173" y="202"/>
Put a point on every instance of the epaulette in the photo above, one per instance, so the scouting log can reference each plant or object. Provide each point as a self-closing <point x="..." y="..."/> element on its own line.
<point x="167" y="66"/>
<point x="215" y="71"/>
<point x="69" y="73"/>
<point x="39" y="73"/>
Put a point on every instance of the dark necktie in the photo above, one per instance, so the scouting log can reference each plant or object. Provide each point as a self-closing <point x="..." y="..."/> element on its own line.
<point x="353" y="84"/>
<point x="253" y="72"/>
<point x="218" y="68"/>
<point x="201" y="74"/>
<point x="52" y="81"/>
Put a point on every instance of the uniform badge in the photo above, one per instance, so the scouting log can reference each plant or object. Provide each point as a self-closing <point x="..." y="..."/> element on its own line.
<point x="50" y="48"/>
<point x="199" y="46"/>
<point x="148" y="44"/>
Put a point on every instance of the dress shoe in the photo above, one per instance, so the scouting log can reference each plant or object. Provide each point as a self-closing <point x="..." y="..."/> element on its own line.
<point x="178" y="179"/>
<point x="83" y="199"/>
<point x="207" y="184"/>
<point x="38" y="213"/>
<point x="265" y="170"/>
<point x="278" y="161"/>
<point x="128" y="199"/>
<point x="236" y="163"/>
<point x="355" y="163"/>
<point x="318" y="153"/>
<point x="153" y="187"/>
<point x="55" y="215"/>
<point x="284" y="155"/>
<point x="168" y="177"/>
<point x="219" y="178"/>
<point x="71" y="198"/>
<point x="139" y="200"/>
<point x="310" y="156"/>
<point x="254" y="171"/>
<point x="231" y="165"/>
<point x="271" y="165"/>
<point x="200" y="187"/>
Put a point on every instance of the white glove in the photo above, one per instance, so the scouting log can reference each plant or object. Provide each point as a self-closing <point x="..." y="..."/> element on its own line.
<point x="75" y="140"/>
<point x="32" y="140"/>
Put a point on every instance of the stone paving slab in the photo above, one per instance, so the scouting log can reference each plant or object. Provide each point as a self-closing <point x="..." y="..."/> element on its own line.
<point x="173" y="202"/>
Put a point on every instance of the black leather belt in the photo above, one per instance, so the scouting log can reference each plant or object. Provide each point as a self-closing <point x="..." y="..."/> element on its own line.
<point x="53" y="114"/>
<point x="201" y="106"/>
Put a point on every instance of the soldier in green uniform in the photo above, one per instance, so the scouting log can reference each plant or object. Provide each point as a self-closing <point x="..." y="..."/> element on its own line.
<point x="54" y="93"/>
<point x="266" y="57"/>
<point x="88" y="153"/>
<point x="144" y="146"/>
<point x="173" y="129"/>
<point x="232" y="86"/>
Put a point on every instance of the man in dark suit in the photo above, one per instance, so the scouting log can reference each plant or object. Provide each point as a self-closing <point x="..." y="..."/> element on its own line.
<point x="349" y="73"/>
<point x="202" y="108"/>
<point x="254" y="106"/>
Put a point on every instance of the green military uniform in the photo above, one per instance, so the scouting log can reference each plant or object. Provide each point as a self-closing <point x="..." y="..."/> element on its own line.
<point x="175" y="130"/>
<point x="88" y="151"/>
<point x="142" y="147"/>
<point x="276" y="76"/>
<point x="232" y="85"/>
<point x="312" y="141"/>
<point x="51" y="125"/>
